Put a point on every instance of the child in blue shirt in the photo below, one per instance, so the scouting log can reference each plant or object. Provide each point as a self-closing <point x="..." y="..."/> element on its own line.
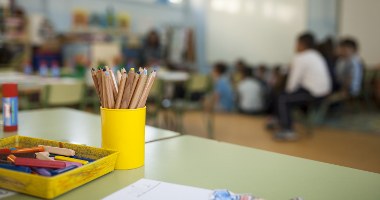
<point x="223" y="97"/>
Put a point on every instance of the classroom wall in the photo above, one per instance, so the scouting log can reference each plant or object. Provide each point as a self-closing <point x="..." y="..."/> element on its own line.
<point x="144" y="13"/>
<point x="360" y="19"/>
<point x="322" y="18"/>
<point x="259" y="31"/>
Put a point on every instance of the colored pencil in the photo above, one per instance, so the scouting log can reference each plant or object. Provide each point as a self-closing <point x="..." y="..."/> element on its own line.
<point x="99" y="77"/>
<point x="135" y="80"/>
<point x="121" y="90"/>
<point x="127" y="89"/>
<point x="118" y="75"/>
<point x="146" y="91"/>
<point x="110" y="97"/>
<point x="138" y="91"/>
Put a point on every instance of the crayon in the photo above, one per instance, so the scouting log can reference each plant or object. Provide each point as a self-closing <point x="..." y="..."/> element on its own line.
<point x="5" y="151"/>
<point x="39" y="163"/>
<point x="60" y="171"/>
<point x="11" y="158"/>
<point x="26" y="150"/>
<point x="63" y="158"/>
<point x="81" y="158"/>
<point x="41" y="171"/>
<point x="6" y="162"/>
<point x="44" y="153"/>
<point x="72" y="163"/>
<point x="60" y="151"/>
<point x="41" y="156"/>
<point x="3" y="156"/>
<point x="33" y="172"/>
<point x="16" y="168"/>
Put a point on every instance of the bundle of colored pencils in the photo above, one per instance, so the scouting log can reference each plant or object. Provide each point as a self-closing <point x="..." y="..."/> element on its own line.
<point x="125" y="90"/>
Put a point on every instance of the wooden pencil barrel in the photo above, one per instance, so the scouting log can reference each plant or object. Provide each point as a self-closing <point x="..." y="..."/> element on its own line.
<point x="123" y="130"/>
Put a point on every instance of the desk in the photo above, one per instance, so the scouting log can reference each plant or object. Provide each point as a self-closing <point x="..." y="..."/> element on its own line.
<point x="70" y="125"/>
<point x="210" y="164"/>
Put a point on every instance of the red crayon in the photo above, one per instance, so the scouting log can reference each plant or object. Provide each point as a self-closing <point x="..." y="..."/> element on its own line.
<point x="5" y="151"/>
<point x="28" y="162"/>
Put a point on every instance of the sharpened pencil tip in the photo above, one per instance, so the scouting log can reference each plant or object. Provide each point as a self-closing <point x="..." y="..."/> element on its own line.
<point x="138" y="72"/>
<point x="125" y="72"/>
<point x="93" y="69"/>
<point x="99" y="71"/>
<point x="107" y="73"/>
<point x="154" y="70"/>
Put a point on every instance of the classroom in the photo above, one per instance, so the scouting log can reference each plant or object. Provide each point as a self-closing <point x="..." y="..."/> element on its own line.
<point x="189" y="99"/>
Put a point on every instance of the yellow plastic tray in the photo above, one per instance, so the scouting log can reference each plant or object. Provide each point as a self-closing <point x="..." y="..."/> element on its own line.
<point x="51" y="187"/>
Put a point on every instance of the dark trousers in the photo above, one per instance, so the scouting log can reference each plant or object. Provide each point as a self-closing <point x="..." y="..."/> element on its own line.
<point x="287" y="101"/>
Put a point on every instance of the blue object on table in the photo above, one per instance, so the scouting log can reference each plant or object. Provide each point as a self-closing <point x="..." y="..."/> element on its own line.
<point x="80" y="158"/>
<point x="13" y="149"/>
<point x="41" y="171"/>
<point x="62" y="170"/>
<point x="16" y="168"/>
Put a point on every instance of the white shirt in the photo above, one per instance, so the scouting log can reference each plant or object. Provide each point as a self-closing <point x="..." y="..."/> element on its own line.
<point x="250" y="95"/>
<point x="309" y="71"/>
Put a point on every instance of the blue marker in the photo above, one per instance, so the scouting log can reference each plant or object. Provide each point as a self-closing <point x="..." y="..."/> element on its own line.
<point x="41" y="171"/>
<point x="62" y="170"/>
<point x="80" y="158"/>
<point x="16" y="168"/>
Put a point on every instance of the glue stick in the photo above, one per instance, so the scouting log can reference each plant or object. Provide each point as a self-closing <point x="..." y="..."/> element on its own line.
<point x="10" y="107"/>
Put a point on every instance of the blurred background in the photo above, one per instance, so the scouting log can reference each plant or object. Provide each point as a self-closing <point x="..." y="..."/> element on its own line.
<point x="222" y="66"/>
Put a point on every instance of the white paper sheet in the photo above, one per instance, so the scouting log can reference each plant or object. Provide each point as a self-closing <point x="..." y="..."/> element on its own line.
<point x="6" y="193"/>
<point x="145" y="189"/>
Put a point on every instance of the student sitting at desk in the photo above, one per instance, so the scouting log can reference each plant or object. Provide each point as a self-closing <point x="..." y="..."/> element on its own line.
<point x="223" y="98"/>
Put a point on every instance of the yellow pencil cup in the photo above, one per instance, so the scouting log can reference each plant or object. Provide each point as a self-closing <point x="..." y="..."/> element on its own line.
<point x="123" y="130"/>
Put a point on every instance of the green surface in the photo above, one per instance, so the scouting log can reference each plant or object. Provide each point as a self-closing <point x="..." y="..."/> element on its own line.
<point x="70" y="125"/>
<point x="210" y="164"/>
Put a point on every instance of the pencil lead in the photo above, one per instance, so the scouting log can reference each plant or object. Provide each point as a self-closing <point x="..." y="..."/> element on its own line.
<point x="132" y="68"/>
<point x="138" y="72"/>
<point x="104" y="69"/>
<point x="154" y="71"/>
<point x="107" y="73"/>
<point x="93" y="69"/>
<point x="125" y="72"/>
<point x="145" y="68"/>
<point x="99" y="71"/>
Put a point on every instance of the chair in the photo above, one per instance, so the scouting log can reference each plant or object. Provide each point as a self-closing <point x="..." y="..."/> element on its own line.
<point x="62" y="94"/>
<point x="367" y="91"/>
<point x="155" y="96"/>
<point x="90" y="96"/>
<point x="198" y="83"/>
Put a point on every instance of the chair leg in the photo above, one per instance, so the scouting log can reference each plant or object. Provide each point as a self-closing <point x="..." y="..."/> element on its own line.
<point x="310" y="121"/>
<point x="210" y="126"/>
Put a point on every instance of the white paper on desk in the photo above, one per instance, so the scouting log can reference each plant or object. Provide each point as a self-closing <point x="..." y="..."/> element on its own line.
<point x="145" y="189"/>
<point x="6" y="193"/>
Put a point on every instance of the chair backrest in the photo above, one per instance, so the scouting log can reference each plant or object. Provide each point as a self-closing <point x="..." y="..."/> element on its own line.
<point x="63" y="94"/>
<point x="198" y="83"/>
